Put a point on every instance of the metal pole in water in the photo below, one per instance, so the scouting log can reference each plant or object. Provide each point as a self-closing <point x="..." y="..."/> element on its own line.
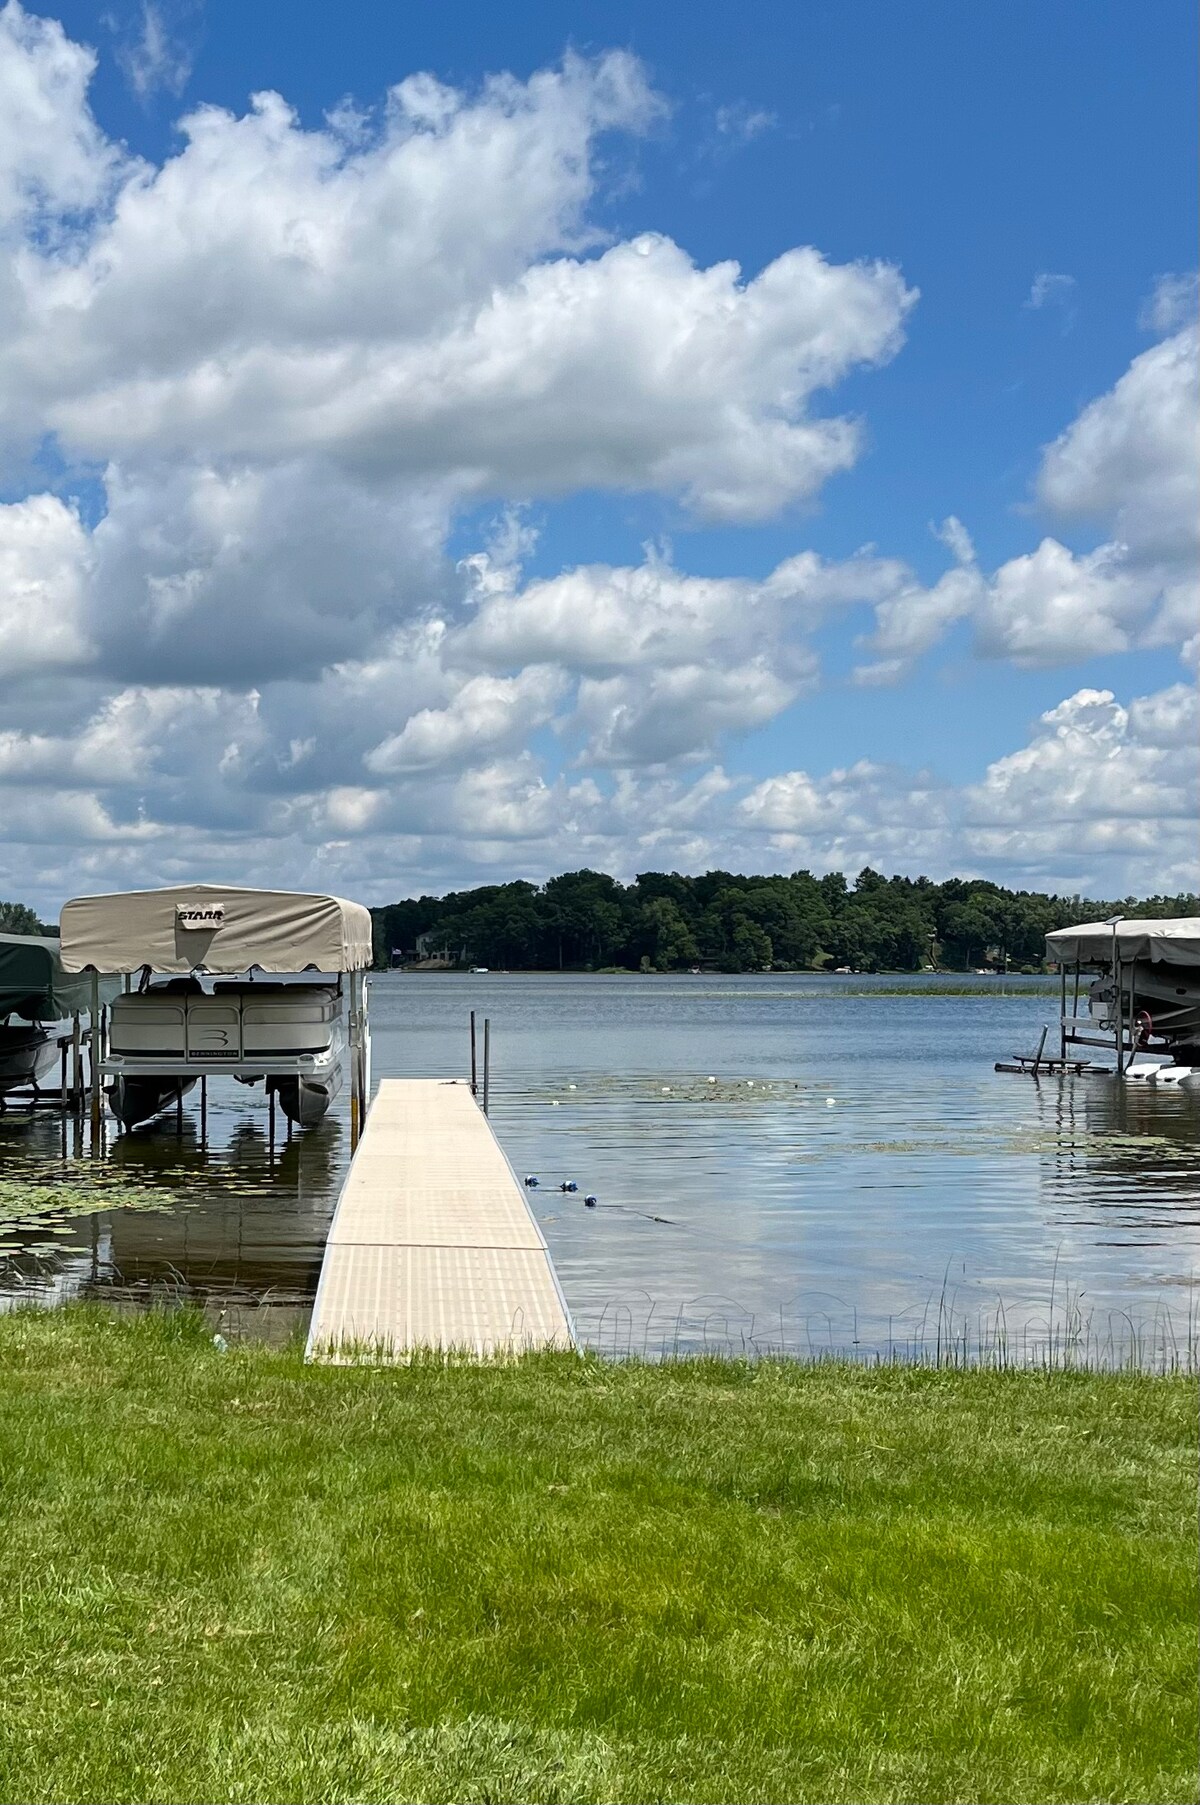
<point x="1037" y="1058"/>
<point x="203" y="1108"/>
<point x="474" y="1085"/>
<point x="271" y="1120"/>
<point x="487" y="1061"/>
<point x="1114" y="922"/>
<point x="76" y="1063"/>
<point x="1062" y="1013"/>
<point x="1119" y="1021"/>
<point x="1075" y="1000"/>
<point x="95" y="1039"/>
<point x="179" y="1110"/>
<point x="355" y="1064"/>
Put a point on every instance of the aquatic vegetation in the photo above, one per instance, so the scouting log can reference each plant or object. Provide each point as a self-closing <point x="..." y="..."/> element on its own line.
<point x="24" y="1202"/>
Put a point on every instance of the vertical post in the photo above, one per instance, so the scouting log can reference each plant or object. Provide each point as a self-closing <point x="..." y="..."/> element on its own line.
<point x="271" y="1120"/>
<point x="1118" y="1019"/>
<point x="474" y="1085"/>
<point x="1114" y="922"/>
<point x="364" y="1049"/>
<point x="203" y="1109"/>
<point x="487" y="1061"/>
<point x="1062" y="1014"/>
<point x="76" y="1063"/>
<point x="96" y="1037"/>
<point x="355" y="1064"/>
<point x="179" y="1110"/>
<point x="1075" y="995"/>
<point x="62" y="1074"/>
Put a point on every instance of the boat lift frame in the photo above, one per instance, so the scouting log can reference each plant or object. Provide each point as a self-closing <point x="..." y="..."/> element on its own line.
<point x="1121" y="1039"/>
<point x="334" y="923"/>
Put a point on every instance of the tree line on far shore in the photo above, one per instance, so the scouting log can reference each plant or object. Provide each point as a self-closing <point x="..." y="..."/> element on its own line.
<point x="586" y="920"/>
<point x="19" y="918"/>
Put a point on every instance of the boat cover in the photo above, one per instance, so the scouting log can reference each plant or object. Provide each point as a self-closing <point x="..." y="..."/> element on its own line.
<point x="1172" y="942"/>
<point x="34" y="985"/>
<point x="214" y="928"/>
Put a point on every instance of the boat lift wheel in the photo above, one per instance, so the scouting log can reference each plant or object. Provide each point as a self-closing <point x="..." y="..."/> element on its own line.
<point x="1143" y="1028"/>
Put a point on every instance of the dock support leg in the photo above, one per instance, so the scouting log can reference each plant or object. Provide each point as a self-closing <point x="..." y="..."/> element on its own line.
<point x="76" y="1064"/>
<point x="271" y="1121"/>
<point x="1062" y="1012"/>
<point x="204" y="1109"/>
<point x="487" y="1062"/>
<point x="474" y="1074"/>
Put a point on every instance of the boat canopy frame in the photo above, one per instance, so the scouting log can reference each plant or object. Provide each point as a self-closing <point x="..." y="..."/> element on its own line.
<point x="226" y="930"/>
<point x="219" y="929"/>
<point x="1118" y="946"/>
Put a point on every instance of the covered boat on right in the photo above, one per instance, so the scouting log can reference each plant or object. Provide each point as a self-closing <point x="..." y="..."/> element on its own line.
<point x="1135" y="990"/>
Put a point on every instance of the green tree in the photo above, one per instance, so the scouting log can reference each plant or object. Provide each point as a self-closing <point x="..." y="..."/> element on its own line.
<point x="16" y="918"/>
<point x="669" y="941"/>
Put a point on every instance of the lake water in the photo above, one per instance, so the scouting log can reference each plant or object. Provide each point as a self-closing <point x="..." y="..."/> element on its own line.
<point x="858" y="1176"/>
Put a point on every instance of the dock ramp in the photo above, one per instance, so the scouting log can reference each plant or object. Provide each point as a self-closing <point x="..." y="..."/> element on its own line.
<point x="433" y="1244"/>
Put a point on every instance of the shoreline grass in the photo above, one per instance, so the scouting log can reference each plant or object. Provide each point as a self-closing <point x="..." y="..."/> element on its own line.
<point x="232" y="1577"/>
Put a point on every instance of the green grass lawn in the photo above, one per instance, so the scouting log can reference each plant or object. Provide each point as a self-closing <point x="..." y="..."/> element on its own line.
<point x="231" y="1577"/>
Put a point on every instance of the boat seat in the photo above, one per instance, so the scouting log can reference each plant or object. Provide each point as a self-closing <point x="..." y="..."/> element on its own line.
<point x="148" y="1024"/>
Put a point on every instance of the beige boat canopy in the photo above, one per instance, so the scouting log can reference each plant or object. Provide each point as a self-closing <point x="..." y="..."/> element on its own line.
<point x="1171" y="942"/>
<point x="214" y="928"/>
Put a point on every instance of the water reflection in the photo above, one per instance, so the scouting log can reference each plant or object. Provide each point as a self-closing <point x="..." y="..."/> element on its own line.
<point x="777" y="1162"/>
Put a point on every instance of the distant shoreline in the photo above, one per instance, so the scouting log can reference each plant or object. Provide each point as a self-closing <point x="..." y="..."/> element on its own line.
<point x="955" y="982"/>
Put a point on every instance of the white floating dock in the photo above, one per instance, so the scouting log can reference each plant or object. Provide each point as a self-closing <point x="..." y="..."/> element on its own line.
<point x="433" y="1244"/>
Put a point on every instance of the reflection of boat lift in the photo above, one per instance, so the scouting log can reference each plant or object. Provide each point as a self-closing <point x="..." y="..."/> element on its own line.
<point x="288" y="1035"/>
<point x="1143" y="1005"/>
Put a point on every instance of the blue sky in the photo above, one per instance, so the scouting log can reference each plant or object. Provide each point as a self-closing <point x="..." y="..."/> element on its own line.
<point x="1030" y="170"/>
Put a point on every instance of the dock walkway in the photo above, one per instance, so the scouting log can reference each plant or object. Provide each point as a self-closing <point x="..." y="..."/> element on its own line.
<point x="433" y="1244"/>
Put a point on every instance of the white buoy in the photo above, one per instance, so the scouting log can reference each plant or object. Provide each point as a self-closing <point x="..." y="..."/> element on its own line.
<point x="830" y="1102"/>
<point x="712" y="1081"/>
<point x="572" y="1087"/>
<point x="750" y="1084"/>
<point x="666" y="1090"/>
<point x="554" y="1104"/>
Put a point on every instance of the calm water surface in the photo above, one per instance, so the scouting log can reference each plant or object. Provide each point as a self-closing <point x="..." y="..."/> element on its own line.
<point x="857" y="1175"/>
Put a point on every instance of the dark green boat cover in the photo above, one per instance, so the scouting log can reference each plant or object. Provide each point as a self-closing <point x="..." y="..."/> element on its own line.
<point x="34" y="985"/>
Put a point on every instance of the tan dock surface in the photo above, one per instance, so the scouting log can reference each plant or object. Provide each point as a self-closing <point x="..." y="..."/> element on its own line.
<point x="433" y="1244"/>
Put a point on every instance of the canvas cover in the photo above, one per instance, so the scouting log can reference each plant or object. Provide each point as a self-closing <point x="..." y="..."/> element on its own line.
<point x="215" y="928"/>
<point x="34" y="985"/>
<point x="1172" y="942"/>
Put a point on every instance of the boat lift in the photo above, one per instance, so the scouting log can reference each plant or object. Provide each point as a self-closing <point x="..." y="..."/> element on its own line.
<point x="43" y="1038"/>
<point x="162" y="1037"/>
<point x="1152" y="993"/>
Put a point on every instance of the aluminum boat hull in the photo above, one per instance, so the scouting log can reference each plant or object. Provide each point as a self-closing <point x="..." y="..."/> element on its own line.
<point x="137" y="1100"/>
<point x="27" y="1055"/>
<point x="306" y="1101"/>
